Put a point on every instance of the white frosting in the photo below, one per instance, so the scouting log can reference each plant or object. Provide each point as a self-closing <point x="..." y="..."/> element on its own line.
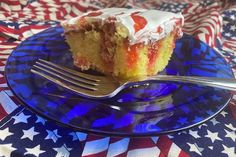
<point x="155" y="18"/>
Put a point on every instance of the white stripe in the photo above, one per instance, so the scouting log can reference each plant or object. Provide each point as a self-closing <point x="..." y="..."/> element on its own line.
<point x="68" y="16"/>
<point x="174" y="150"/>
<point x="234" y="97"/>
<point x="15" y="7"/>
<point x="190" y="10"/>
<point x="3" y="85"/>
<point x="23" y="25"/>
<point x="6" y="51"/>
<point x="2" y="16"/>
<point x="144" y="152"/>
<point x="27" y="34"/>
<point x="40" y="13"/>
<point x="4" y="62"/>
<point x="2" y="68"/>
<point x="204" y="30"/>
<point x="227" y="49"/>
<point x="7" y="103"/>
<point x="53" y="16"/>
<point x="76" y="11"/>
<point x="2" y="46"/>
<point x="84" y="4"/>
<point x="8" y="92"/>
<point x="231" y="42"/>
<point x="40" y="17"/>
<point x="53" y="9"/>
<point x="15" y="36"/>
<point x="4" y="56"/>
<point x="52" y="4"/>
<point x="81" y="136"/>
<point x="23" y="2"/>
<point x="202" y="37"/>
<point x="67" y="7"/>
<point x="35" y="31"/>
<point x="5" y="6"/>
<point x="216" y="18"/>
<point x="14" y="16"/>
<point x="118" y="147"/>
<point x="40" y="9"/>
<point x="96" y="146"/>
<point x="35" y="4"/>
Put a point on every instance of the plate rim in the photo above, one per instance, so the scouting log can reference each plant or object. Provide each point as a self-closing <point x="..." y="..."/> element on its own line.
<point x="106" y="133"/>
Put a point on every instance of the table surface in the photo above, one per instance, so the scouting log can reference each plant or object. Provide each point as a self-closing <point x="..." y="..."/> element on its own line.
<point x="24" y="133"/>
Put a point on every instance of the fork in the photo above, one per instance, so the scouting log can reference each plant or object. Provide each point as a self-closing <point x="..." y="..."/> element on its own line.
<point x="93" y="86"/>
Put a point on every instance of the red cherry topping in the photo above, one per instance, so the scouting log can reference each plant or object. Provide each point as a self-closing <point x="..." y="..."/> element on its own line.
<point x="159" y="29"/>
<point x="139" y="21"/>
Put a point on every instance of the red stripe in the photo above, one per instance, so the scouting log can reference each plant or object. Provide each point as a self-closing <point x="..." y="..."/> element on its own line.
<point x="233" y="108"/>
<point x="59" y="16"/>
<point x="21" y="15"/>
<point x="46" y="17"/>
<point x="81" y="8"/>
<point x="92" y="137"/>
<point x="164" y="144"/>
<point x="6" y="43"/>
<point x="24" y="28"/>
<point x="2" y="80"/>
<point x="231" y="44"/>
<point x="3" y="49"/>
<point x="1" y="64"/>
<point x="136" y="143"/>
<point x="198" y="29"/>
<point x="7" y="14"/>
<point x="32" y="8"/>
<point x="63" y="11"/>
<point x="183" y="154"/>
<point x="4" y="29"/>
<point x="3" y="113"/>
<point x="115" y="139"/>
<point x="72" y="14"/>
<point x="12" y="2"/>
<point x="2" y="54"/>
<point x="162" y="155"/>
<point x="207" y="39"/>
<point x="185" y="11"/>
<point x="2" y="39"/>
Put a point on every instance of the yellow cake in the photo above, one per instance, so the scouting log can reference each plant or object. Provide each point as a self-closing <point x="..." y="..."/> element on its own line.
<point x="125" y="43"/>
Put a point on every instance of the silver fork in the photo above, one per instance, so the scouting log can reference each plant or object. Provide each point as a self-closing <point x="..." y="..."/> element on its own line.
<point x="92" y="86"/>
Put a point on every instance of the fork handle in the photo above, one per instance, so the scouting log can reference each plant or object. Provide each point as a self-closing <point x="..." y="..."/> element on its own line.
<point x="224" y="83"/>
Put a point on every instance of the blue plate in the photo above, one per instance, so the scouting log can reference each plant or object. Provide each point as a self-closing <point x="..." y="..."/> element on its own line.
<point x="151" y="109"/>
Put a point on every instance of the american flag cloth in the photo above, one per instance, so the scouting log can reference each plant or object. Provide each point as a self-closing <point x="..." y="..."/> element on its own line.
<point x="23" y="133"/>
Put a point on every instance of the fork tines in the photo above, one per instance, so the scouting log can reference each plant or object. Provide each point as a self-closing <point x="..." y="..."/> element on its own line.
<point x="64" y="76"/>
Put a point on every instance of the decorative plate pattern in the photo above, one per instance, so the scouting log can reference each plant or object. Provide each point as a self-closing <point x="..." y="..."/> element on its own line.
<point x="152" y="109"/>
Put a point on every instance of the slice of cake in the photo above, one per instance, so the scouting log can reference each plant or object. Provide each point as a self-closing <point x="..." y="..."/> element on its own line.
<point x="126" y="43"/>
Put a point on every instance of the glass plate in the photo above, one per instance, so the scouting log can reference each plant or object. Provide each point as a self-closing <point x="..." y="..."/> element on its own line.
<point x="147" y="110"/>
